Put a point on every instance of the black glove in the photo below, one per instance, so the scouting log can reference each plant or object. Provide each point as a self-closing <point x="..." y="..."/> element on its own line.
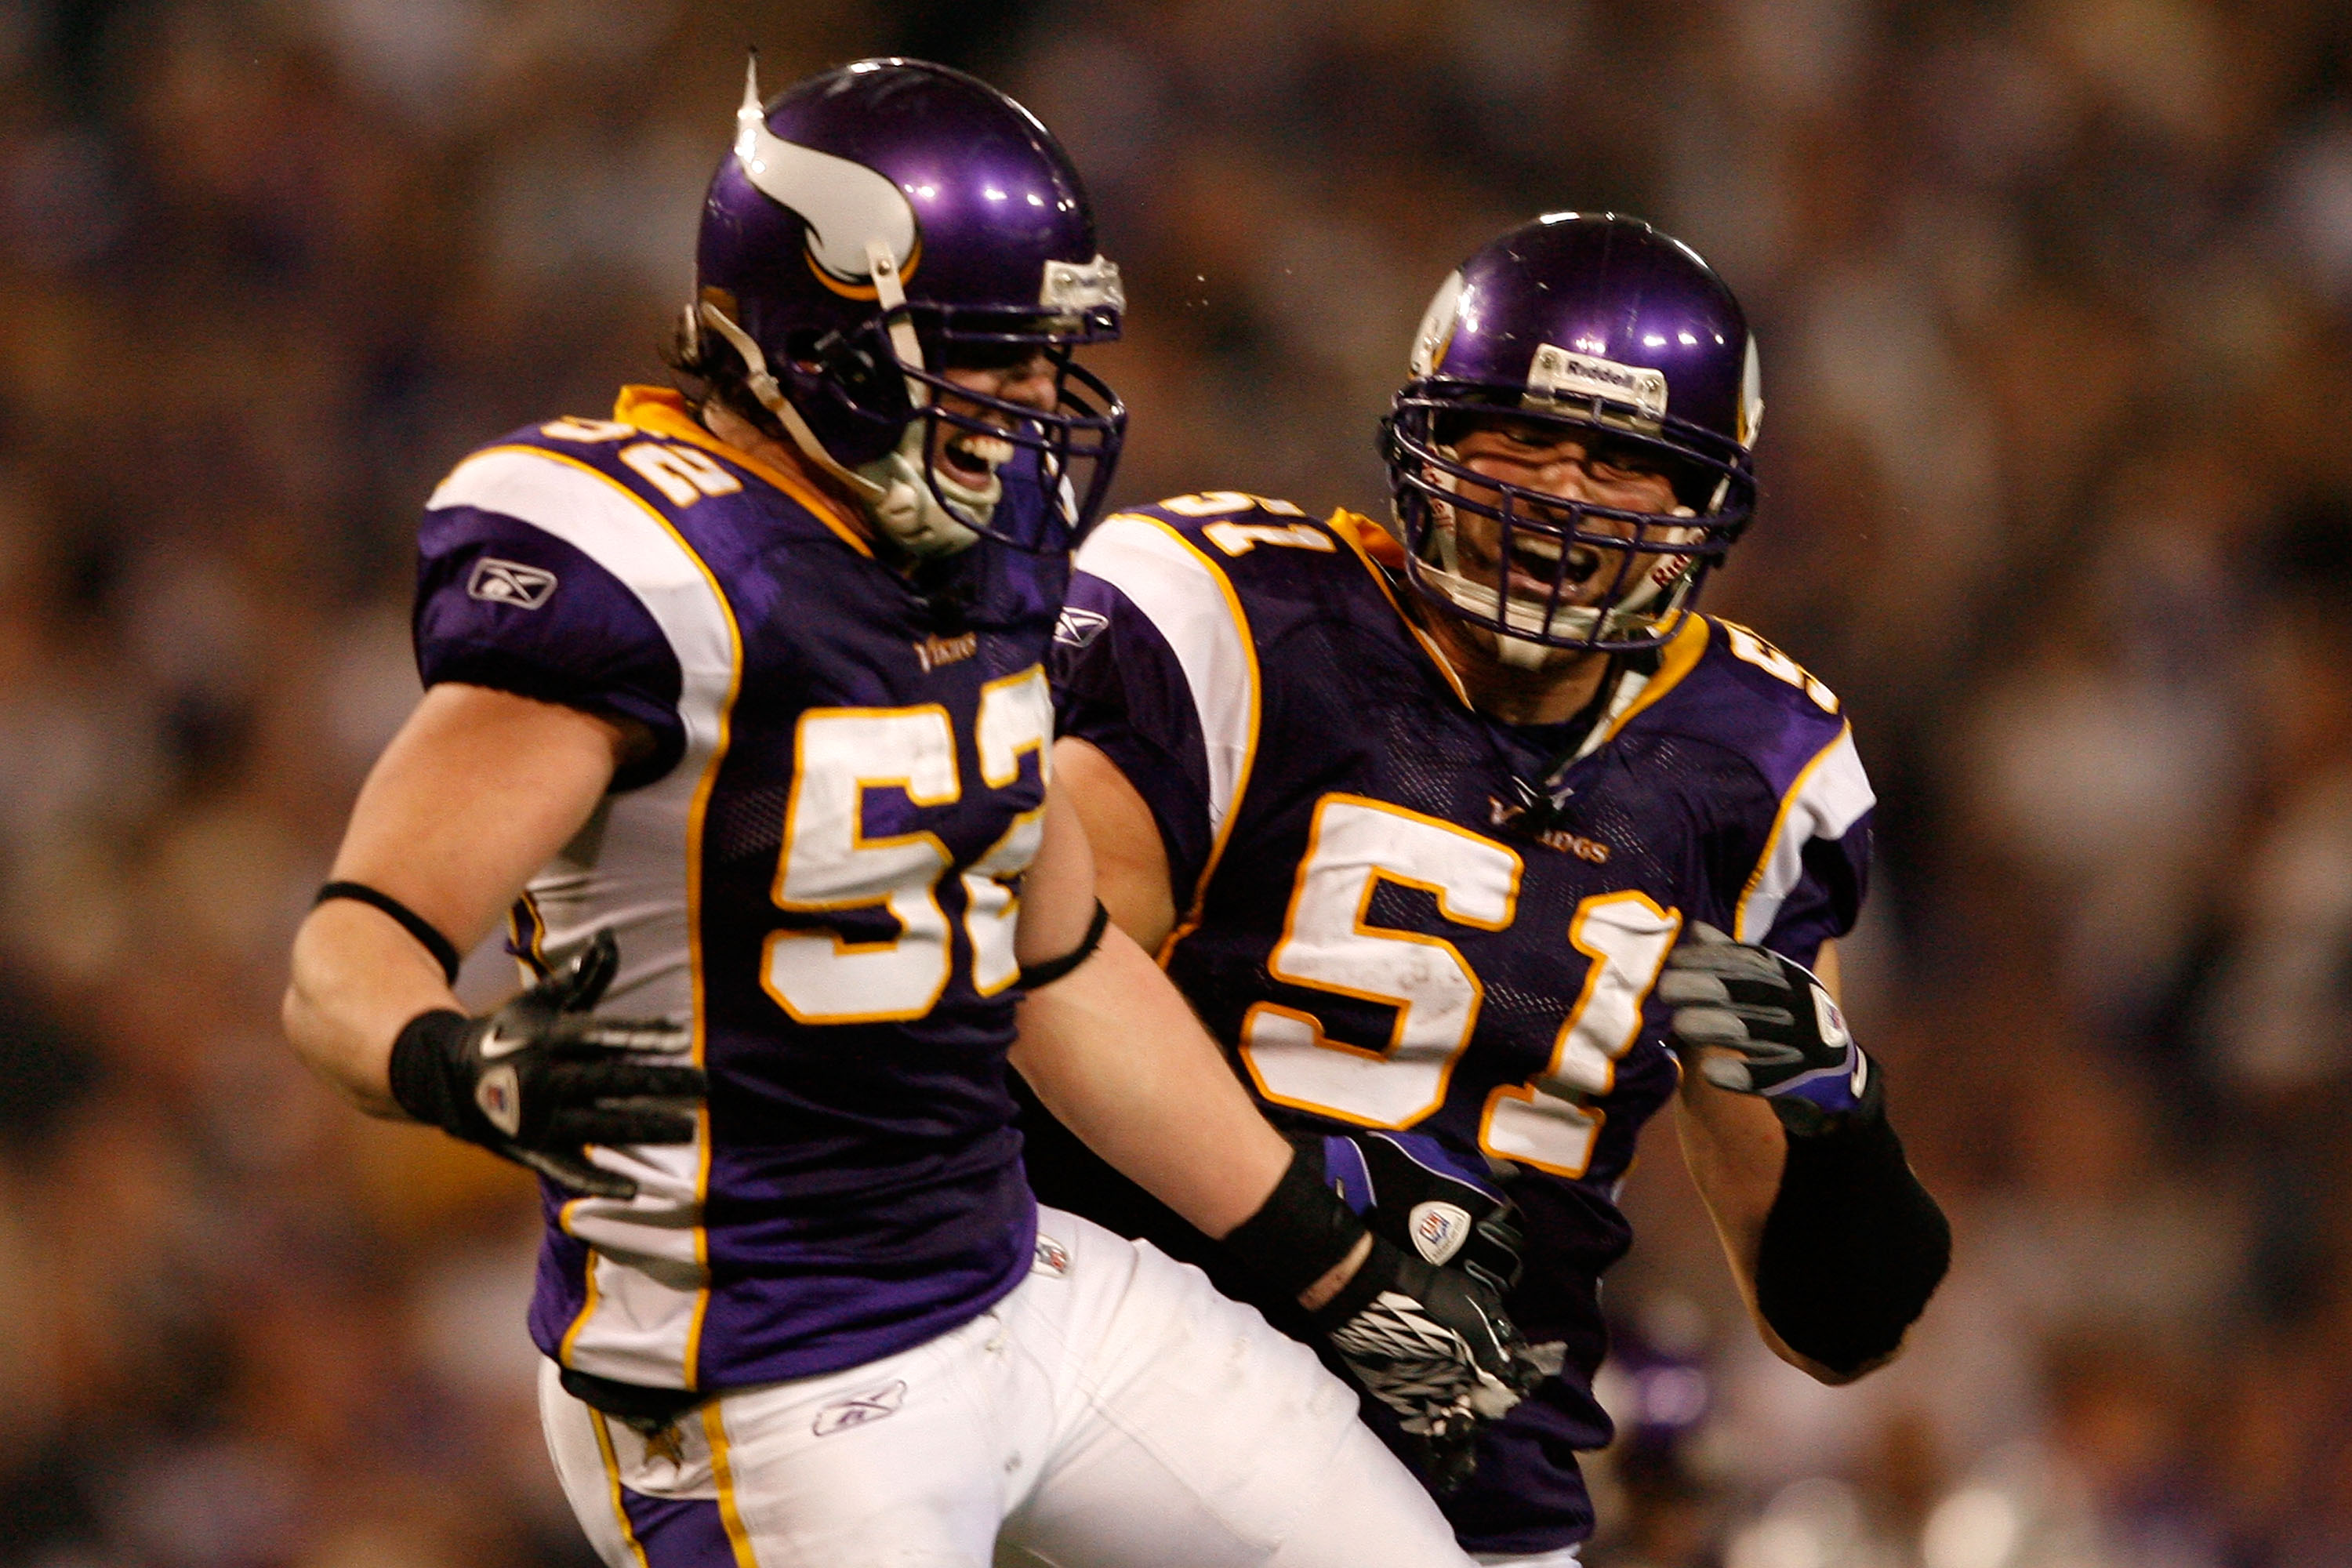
<point x="1789" y="1042"/>
<point x="1415" y="1191"/>
<point x="1431" y="1344"/>
<point x="541" y="1077"/>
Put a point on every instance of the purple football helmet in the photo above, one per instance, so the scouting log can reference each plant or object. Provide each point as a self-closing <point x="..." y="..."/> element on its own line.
<point x="1601" y="329"/>
<point x="875" y="224"/>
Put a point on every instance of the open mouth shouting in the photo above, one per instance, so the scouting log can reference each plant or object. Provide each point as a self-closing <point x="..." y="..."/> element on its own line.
<point x="971" y="458"/>
<point x="1536" y="561"/>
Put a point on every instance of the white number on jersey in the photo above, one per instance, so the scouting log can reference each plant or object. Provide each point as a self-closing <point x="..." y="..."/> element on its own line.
<point x="828" y="864"/>
<point x="681" y="473"/>
<point x="1217" y="503"/>
<point x="1353" y="845"/>
<point x="1241" y="538"/>
<point x="1747" y="646"/>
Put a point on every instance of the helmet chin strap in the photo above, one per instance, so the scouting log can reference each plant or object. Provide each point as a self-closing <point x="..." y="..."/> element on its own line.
<point x="892" y="488"/>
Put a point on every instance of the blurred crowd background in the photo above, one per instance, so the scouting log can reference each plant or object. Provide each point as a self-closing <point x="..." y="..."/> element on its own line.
<point x="2055" y="299"/>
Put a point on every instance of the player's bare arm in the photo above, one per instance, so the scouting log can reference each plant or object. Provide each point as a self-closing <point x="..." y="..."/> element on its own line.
<point x="480" y="789"/>
<point x="1130" y="863"/>
<point x="1163" y="1107"/>
<point x="474" y="795"/>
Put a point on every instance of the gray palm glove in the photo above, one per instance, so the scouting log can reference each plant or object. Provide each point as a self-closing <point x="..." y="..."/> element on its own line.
<point x="1764" y="1024"/>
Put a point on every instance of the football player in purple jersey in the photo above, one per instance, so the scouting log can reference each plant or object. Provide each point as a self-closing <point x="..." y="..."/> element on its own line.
<point x="738" y="705"/>
<point x="1474" y="843"/>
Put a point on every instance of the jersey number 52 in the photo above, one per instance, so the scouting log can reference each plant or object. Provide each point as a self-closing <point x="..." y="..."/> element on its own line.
<point x="829" y="865"/>
<point x="1354" y="844"/>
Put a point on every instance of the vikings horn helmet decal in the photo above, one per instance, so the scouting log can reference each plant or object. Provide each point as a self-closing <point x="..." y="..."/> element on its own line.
<point x="845" y="204"/>
<point x="875" y="226"/>
<point x="1607" y="332"/>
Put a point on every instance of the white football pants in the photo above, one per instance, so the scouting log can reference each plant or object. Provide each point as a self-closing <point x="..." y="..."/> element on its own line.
<point x="1113" y="1412"/>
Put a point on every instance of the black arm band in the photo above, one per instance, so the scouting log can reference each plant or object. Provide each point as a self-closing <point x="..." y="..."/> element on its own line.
<point x="1298" y="1235"/>
<point x="444" y="951"/>
<point x="1854" y="1247"/>
<point x="1033" y="975"/>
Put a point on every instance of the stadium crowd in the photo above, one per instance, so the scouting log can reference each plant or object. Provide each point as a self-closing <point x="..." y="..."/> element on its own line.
<point x="2055" y="299"/>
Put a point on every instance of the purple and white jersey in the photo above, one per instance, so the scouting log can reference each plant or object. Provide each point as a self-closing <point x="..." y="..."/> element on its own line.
<point x="818" y="867"/>
<point x="1375" y="948"/>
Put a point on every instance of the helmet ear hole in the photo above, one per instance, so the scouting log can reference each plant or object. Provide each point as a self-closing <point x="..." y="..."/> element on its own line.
<point x="854" y="367"/>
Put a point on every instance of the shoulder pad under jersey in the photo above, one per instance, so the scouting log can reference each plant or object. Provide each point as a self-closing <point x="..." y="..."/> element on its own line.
<point x="1721" y="683"/>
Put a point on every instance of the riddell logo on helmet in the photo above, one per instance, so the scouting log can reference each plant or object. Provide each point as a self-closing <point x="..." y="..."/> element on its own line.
<point x="1560" y="373"/>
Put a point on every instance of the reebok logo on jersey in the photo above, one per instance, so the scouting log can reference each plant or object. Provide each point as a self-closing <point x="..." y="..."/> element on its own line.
<point x="509" y="583"/>
<point x="859" y="1408"/>
<point x="1078" y="628"/>
<point x="1053" y="1258"/>
<point x="1438" y="1229"/>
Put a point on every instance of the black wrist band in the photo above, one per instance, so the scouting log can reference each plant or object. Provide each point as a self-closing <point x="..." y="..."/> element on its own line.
<point x="444" y="951"/>
<point x="418" y="1070"/>
<point x="1854" y="1246"/>
<point x="1298" y="1235"/>
<point x="1033" y="975"/>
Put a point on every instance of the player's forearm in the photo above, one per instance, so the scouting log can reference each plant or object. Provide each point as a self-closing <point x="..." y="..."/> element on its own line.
<point x="357" y="978"/>
<point x="1113" y="1051"/>
<point x="1737" y="1152"/>
<point x="475" y="793"/>
<point x="1734" y="1149"/>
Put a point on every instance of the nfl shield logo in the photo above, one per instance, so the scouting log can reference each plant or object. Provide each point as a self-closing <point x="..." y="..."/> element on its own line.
<point x="1438" y="1229"/>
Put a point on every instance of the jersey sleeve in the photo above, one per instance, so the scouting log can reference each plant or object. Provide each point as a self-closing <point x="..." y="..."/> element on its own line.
<point x="505" y="603"/>
<point x="1152" y="664"/>
<point x="1806" y="886"/>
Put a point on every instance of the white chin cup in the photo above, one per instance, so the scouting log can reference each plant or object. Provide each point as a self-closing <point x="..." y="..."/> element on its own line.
<point x="905" y="508"/>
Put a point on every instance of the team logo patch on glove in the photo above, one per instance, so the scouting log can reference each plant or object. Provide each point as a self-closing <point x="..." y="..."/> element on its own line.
<point x="1438" y="1229"/>
<point x="1420" y="1194"/>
